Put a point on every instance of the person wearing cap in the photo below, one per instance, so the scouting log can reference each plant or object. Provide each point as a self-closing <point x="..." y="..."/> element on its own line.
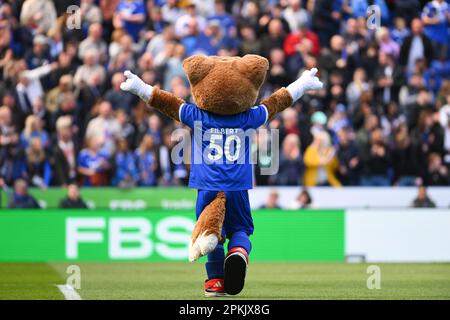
<point x="318" y="121"/>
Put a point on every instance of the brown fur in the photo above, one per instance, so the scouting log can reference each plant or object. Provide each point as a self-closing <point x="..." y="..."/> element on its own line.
<point x="166" y="102"/>
<point x="211" y="219"/>
<point x="225" y="85"/>
<point x="277" y="102"/>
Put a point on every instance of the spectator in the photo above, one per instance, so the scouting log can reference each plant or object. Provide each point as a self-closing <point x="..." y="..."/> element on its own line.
<point x="321" y="162"/>
<point x="93" y="164"/>
<point x="38" y="167"/>
<point x="39" y="55"/>
<point x="105" y="126"/>
<point x="303" y="41"/>
<point x="65" y="150"/>
<point x="146" y="161"/>
<point x="278" y="75"/>
<point x="226" y="21"/>
<point x="387" y="45"/>
<point x="356" y="88"/>
<point x="182" y="23"/>
<point x="38" y="15"/>
<point x="437" y="173"/>
<point x="377" y="162"/>
<point x="389" y="79"/>
<point x="55" y="43"/>
<point x="21" y="199"/>
<point x="291" y="165"/>
<point x="127" y="174"/>
<point x="348" y="157"/>
<point x="416" y="46"/>
<point x="272" y="201"/>
<point x="275" y="37"/>
<point x="11" y="154"/>
<point x="90" y="12"/>
<point x="93" y="42"/>
<point x="130" y="15"/>
<point x="295" y="15"/>
<point x="118" y="98"/>
<point x="29" y="87"/>
<point x="250" y="44"/>
<point x="422" y="200"/>
<point x="409" y="91"/>
<point x="303" y="201"/>
<point x="89" y="68"/>
<point x="64" y="90"/>
<point x="73" y="199"/>
<point x="127" y="130"/>
<point x="407" y="158"/>
<point x="400" y="31"/>
<point x="33" y="129"/>
<point x="435" y="16"/>
<point x="157" y="45"/>
<point x="171" y="12"/>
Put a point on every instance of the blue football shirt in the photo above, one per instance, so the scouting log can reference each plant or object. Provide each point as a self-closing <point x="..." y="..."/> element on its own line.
<point x="221" y="157"/>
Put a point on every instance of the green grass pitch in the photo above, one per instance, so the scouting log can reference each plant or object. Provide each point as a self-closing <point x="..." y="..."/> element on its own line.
<point x="264" y="281"/>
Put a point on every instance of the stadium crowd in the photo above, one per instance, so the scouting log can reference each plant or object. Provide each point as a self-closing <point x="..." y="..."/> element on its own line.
<point x="382" y="118"/>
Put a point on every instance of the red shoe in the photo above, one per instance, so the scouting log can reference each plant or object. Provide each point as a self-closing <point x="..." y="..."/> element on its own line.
<point x="214" y="288"/>
<point x="235" y="269"/>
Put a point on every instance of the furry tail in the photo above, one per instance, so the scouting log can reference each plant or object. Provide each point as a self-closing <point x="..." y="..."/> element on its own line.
<point x="208" y="230"/>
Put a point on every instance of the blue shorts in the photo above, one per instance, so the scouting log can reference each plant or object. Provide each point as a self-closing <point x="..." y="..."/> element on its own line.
<point x="238" y="216"/>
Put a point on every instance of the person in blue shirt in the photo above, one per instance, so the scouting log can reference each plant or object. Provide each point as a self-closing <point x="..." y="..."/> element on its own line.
<point x="21" y="199"/>
<point x="226" y="20"/>
<point x="400" y="31"/>
<point x="93" y="164"/>
<point x="130" y="14"/>
<point x="435" y="16"/>
<point x="221" y="167"/>
<point x="126" y="171"/>
<point x="146" y="162"/>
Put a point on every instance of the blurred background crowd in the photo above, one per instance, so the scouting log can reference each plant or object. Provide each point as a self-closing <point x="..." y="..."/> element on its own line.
<point x="382" y="118"/>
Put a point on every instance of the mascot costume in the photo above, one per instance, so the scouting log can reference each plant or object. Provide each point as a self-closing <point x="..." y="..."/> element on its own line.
<point x="224" y="90"/>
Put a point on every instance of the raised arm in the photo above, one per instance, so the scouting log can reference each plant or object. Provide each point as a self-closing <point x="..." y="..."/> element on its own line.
<point x="285" y="97"/>
<point x="162" y="100"/>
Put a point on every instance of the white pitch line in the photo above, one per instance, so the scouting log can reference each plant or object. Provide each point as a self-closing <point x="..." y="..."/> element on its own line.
<point x="69" y="292"/>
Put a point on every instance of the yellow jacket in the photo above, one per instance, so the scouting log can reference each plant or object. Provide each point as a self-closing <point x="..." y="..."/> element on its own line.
<point x="312" y="164"/>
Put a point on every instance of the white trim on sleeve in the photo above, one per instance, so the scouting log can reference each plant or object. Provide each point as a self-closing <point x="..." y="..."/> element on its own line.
<point x="179" y="112"/>
<point x="267" y="113"/>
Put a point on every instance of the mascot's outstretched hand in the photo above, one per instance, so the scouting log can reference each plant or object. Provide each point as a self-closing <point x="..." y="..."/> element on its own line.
<point x="136" y="86"/>
<point x="162" y="100"/>
<point x="307" y="81"/>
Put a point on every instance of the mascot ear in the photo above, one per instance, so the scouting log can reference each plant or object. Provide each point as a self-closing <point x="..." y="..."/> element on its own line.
<point x="197" y="67"/>
<point x="254" y="68"/>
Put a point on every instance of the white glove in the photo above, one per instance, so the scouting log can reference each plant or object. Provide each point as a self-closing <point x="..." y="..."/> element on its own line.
<point x="307" y="81"/>
<point x="136" y="86"/>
